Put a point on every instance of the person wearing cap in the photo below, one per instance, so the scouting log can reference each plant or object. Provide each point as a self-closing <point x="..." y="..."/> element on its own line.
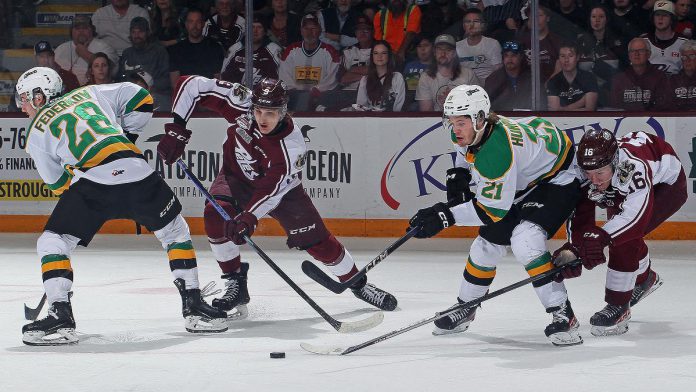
<point x="444" y="74"/>
<point x="226" y="26"/>
<point x="266" y="57"/>
<point x="357" y="57"/>
<point x="476" y="51"/>
<point x="663" y="40"/>
<point x="338" y="24"/>
<point x="572" y="88"/>
<point x="113" y="23"/>
<point x="45" y="57"/>
<point x="75" y="55"/>
<point x="150" y="56"/>
<point x="398" y="24"/>
<point x="682" y="86"/>
<point x="197" y="54"/>
<point x="309" y="67"/>
<point x="510" y="86"/>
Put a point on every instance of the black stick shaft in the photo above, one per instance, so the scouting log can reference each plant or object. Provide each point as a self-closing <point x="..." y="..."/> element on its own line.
<point x="334" y="323"/>
<point x="457" y="307"/>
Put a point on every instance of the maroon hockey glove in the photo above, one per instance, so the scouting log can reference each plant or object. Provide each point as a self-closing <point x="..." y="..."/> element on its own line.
<point x="560" y="257"/>
<point x="432" y="220"/>
<point x="458" y="192"/>
<point x="591" y="251"/>
<point x="171" y="146"/>
<point x="244" y="223"/>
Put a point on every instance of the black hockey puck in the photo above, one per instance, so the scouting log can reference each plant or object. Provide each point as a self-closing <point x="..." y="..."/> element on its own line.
<point x="277" y="354"/>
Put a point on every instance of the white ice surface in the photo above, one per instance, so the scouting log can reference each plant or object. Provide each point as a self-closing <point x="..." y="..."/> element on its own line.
<point x="132" y="336"/>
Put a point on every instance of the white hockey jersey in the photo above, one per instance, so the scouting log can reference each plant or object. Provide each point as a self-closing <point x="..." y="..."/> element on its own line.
<point x="516" y="156"/>
<point x="81" y="135"/>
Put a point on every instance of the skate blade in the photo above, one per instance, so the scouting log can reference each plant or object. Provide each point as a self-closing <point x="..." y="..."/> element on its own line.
<point x="197" y="324"/>
<point x="654" y="287"/>
<point x="240" y="312"/>
<point x="618" y="329"/>
<point x="570" y="338"/>
<point x="62" y="337"/>
<point x="437" y="331"/>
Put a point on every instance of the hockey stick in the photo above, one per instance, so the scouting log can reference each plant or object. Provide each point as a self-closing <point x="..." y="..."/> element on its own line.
<point x="340" y="326"/>
<point x="32" y="313"/>
<point x="310" y="269"/>
<point x="344" y="351"/>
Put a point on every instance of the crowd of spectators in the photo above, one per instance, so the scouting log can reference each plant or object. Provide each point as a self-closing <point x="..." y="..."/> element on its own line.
<point x="396" y="55"/>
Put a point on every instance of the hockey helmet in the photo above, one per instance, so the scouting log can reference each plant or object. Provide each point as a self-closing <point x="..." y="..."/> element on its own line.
<point x="271" y="93"/>
<point x="466" y="100"/>
<point x="597" y="148"/>
<point x="37" y="80"/>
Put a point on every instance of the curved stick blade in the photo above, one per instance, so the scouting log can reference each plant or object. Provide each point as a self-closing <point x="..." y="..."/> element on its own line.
<point x="362" y="325"/>
<point x="322" y="350"/>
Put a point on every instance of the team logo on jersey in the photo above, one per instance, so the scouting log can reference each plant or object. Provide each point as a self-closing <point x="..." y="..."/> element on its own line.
<point x="245" y="161"/>
<point x="624" y="172"/>
<point x="243" y="124"/>
<point x="300" y="162"/>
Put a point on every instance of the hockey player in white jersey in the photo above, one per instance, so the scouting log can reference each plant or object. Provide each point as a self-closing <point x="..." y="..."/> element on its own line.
<point x="524" y="193"/>
<point x="78" y="144"/>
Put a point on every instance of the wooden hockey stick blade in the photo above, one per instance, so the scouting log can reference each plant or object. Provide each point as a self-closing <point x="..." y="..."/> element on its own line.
<point x="361" y="325"/>
<point x="322" y="350"/>
<point x="32" y="314"/>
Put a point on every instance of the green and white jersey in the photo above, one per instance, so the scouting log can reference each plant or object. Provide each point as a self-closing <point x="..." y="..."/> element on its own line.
<point x="81" y="135"/>
<point x="512" y="160"/>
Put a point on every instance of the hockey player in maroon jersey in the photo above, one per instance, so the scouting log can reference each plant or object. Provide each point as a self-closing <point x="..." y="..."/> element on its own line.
<point x="263" y="157"/>
<point x="640" y="182"/>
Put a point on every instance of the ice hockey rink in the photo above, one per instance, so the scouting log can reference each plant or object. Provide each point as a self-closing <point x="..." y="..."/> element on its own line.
<point x="128" y="316"/>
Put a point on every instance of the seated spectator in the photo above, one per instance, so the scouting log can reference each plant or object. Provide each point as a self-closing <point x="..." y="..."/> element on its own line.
<point x="45" y="57"/>
<point x="383" y="88"/>
<point x="100" y="69"/>
<point x="664" y="42"/>
<point x="549" y="44"/>
<point x="309" y="67"/>
<point x="357" y="57"/>
<point x="510" y="87"/>
<point x="444" y="74"/>
<point x="440" y="17"/>
<point x="113" y="23"/>
<point x="424" y="57"/>
<point x="284" y="27"/>
<point x="149" y="56"/>
<point x="568" y="19"/>
<point x="683" y="84"/>
<point x="165" y="22"/>
<point x="74" y="55"/>
<point x="398" y="24"/>
<point x="226" y="27"/>
<point x="266" y="57"/>
<point x="572" y="88"/>
<point x="197" y="54"/>
<point x="338" y="24"/>
<point x="476" y="51"/>
<point x="642" y="86"/>
<point x="684" y="26"/>
<point x="628" y="21"/>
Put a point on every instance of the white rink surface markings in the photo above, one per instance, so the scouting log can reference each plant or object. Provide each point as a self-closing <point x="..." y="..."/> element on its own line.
<point x="128" y="315"/>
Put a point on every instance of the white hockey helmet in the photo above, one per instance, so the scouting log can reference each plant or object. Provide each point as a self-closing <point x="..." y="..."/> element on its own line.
<point x="42" y="80"/>
<point x="467" y="100"/>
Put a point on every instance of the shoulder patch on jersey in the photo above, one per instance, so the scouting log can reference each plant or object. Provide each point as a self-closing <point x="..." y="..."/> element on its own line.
<point x="624" y="172"/>
<point x="301" y="159"/>
<point x="494" y="159"/>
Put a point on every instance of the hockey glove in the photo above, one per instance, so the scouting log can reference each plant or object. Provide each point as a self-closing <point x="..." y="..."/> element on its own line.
<point x="458" y="192"/>
<point x="560" y="258"/>
<point x="432" y="220"/>
<point x="244" y="223"/>
<point x="591" y="251"/>
<point x="171" y="146"/>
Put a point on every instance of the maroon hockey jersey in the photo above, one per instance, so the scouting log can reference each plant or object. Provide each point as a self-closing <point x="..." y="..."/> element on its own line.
<point x="270" y="164"/>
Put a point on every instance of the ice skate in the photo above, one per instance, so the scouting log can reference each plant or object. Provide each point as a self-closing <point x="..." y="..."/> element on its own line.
<point x="456" y="322"/>
<point x="56" y="329"/>
<point x="652" y="283"/>
<point x="374" y="295"/>
<point x="236" y="295"/>
<point x="200" y="317"/>
<point x="563" y="330"/>
<point x="612" y="320"/>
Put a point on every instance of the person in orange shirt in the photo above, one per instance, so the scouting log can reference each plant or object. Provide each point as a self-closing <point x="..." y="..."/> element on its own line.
<point x="398" y="24"/>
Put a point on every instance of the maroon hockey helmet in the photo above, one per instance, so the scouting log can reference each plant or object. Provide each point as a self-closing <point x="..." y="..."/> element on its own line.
<point x="270" y="93"/>
<point x="597" y="148"/>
